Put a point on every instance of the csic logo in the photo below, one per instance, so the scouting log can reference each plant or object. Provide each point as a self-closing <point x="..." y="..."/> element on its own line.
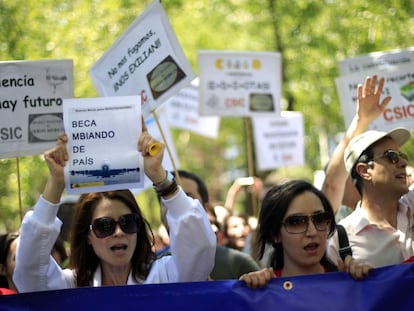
<point x="398" y="113"/>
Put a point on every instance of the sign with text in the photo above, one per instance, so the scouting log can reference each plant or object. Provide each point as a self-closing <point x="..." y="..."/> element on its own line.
<point x="239" y="83"/>
<point x="279" y="141"/>
<point x="146" y="60"/>
<point x="31" y="97"/>
<point x="102" y="144"/>
<point x="182" y="111"/>
<point x="375" y="61"/>
<point x="399" y="84"/>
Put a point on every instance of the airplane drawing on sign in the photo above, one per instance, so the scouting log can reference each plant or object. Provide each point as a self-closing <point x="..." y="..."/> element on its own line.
<point x="106" y="172"/>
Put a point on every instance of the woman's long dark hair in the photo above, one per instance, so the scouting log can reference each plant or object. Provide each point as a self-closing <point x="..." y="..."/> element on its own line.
<point x="82" y="256"/>
<point x="272" y="212"/>
<point x="5" y="241"/>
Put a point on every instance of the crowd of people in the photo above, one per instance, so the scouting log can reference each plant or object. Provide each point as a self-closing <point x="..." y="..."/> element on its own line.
<point x="295" y="231"/>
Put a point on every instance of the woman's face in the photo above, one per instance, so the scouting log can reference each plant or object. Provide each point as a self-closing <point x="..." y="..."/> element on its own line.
<point x="303" y="251"/>
<point x="11" y="258"/>
<point x="237" y="231"/>
<point x="116" y="250"/>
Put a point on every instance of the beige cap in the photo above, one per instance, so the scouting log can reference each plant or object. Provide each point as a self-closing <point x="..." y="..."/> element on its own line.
<point x="360" y="143"/>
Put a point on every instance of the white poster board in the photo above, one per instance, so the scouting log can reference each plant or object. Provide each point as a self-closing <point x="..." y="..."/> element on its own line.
<point x="279" y="141"/>
<point x="31" y="98"/>
<point x="236" y="84"/>
<point x="399" y="84"/>
<point x="182" y="112"/>
<point x="146" y="60"/>
<point x="375" y="61"/>
<point x="102" y="144"/>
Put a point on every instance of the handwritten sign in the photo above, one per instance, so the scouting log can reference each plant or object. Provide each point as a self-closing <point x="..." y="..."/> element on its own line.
<point x="239" y="83"/>
<point x="146" y="60"/>
<point x="102" y="144"/>
<point x="31" y="97"/>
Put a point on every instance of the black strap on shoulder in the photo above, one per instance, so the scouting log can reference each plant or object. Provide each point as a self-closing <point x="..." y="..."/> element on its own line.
<point x="344" y="247"/>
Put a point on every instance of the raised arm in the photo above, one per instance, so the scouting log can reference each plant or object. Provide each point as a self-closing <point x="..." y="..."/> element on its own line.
<point x="368" y="108"/>
<point x="35" y="269"/>
<point x="56" y="159"/>
<point x="193" y="242"/>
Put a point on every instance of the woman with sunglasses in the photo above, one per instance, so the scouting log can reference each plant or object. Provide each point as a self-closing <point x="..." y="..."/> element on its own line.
<point x="111" y="242"/>
<point x="297" y="219"/>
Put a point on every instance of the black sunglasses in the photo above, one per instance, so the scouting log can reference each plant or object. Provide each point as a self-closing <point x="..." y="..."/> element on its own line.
<point x="300" y="223"/>
<point x="105" y="226"/>
<point x="392" y="156"/>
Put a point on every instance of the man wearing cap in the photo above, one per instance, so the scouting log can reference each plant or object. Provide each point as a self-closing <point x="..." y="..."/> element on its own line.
<point x="380" y="229"/>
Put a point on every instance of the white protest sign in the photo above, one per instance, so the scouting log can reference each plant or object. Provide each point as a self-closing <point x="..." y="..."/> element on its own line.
<point x="182" y="112"/>
<point x="31" y="97"/>
<point x="279" y="141"/>
<point x="146" y="60"/>
<point x="399" y="84"/>
<point x="239" y="83"/>
<point x="375" y="61"/>
<point x="102" y="144"/>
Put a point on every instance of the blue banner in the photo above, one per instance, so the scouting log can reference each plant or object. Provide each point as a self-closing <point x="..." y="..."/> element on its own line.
<point x="388" y="288"/>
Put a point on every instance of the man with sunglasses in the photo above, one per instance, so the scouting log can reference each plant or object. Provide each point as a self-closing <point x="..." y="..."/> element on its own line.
<point x="380" y="228"/>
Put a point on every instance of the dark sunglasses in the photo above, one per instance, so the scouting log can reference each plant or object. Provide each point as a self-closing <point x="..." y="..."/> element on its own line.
<point x="300" y="223"/>
<point x="105" y="226"/>
<point x="392" y="156"/>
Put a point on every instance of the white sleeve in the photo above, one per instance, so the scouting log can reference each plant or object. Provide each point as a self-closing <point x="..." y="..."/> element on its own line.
<point x="35" y="268"/>
<point x="192" y="240"/>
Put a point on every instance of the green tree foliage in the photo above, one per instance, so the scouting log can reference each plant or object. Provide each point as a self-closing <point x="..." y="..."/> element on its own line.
<point x="311" y="35"/>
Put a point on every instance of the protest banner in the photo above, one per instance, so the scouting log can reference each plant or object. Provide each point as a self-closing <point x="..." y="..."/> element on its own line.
<point x="372" y="62"/>
<point x="146" y="60"/>
<point x="239" y="83"/>
<point x="102" y="144"/>
<point x="387" y="288"/>
<point x="399" y="84"/>
<point x="279" y="141"/>
<point x="183" y="113"/>
<point x="31" y="97"/>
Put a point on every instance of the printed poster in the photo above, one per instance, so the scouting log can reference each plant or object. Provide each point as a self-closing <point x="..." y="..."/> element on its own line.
<point x="102" y="144"/>
<point x="183" y="113"/>
<point x="237" y="84"/>
<point x="31" y="98"/>
<point x="372" y="62"/>
<point x="399" y="84"/>
<point x="146" y="60"/>
<point x="279" y="141"/>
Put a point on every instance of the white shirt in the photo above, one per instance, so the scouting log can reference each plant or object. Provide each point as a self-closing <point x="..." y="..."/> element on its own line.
<point x="193" y="246"/>
<point x="374" y="245"/>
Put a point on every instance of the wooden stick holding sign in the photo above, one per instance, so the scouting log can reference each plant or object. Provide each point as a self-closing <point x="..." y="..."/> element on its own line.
<point x="177" y="176"/>
<point x="156" y="147"/>
<point x="250" y="161"/>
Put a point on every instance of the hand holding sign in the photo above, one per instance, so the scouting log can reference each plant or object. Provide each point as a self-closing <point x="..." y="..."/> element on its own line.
<point x="56" y="159"/>
<point x="154" y="149"/>
<point x="153" y="152"/>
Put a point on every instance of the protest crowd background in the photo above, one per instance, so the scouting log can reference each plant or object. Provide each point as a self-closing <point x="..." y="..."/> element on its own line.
<point x="319" y="48"/>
